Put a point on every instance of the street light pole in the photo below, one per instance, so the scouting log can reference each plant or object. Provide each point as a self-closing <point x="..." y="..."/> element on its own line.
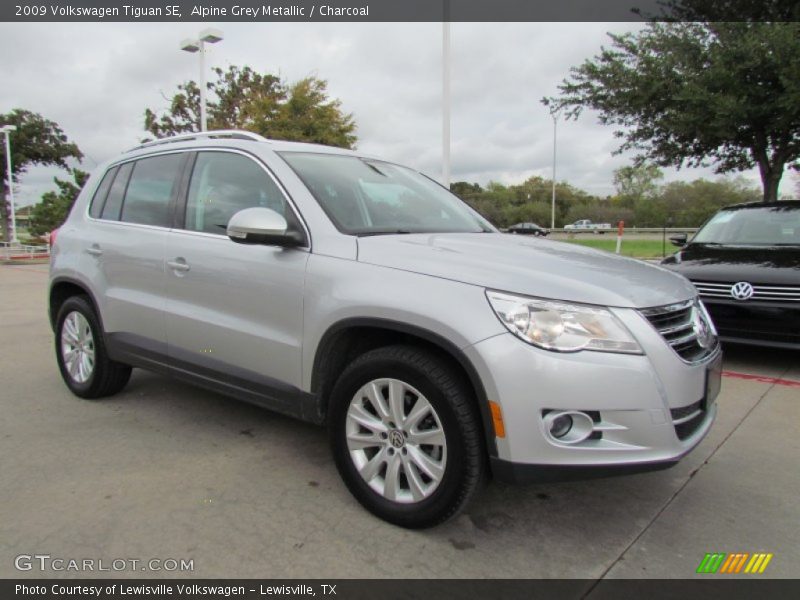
<point x="446" y="103"/>
<point x="210" y="36"/>
<point x="553" y="208"/>
<point x="203" y="116"/>
<point x="7" y="130"/>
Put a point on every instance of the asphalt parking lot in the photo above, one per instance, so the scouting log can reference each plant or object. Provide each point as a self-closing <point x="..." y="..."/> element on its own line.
<point x="165" y="470"/>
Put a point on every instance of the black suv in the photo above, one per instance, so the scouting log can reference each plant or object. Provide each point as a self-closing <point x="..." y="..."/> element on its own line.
<point x="745" y="262"/>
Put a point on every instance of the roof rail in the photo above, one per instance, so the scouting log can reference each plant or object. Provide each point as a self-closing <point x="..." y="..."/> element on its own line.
<point x="219" y="133"/>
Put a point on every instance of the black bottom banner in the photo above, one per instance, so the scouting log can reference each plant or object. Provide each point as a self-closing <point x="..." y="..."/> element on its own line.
<point x="400" y="589"/>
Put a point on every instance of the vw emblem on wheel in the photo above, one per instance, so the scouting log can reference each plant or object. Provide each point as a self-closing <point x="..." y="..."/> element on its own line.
<point x="742" y="291"/>
<point x="396" y="438"/>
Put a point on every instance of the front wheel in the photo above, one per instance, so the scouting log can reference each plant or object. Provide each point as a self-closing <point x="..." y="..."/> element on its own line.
<point x="405" y="436"/>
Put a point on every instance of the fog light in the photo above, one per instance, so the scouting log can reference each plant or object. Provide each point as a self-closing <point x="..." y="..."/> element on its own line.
<point x="567" y="426"/>
<point x="560" y="426"/>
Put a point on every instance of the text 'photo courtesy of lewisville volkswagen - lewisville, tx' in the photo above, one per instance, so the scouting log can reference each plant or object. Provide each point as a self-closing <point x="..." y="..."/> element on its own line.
<point x="309" y="299"/>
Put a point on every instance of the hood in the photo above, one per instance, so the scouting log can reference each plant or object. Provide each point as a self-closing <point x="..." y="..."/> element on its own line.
<point x="529" y="266"/>
<point x="757" y="264"/>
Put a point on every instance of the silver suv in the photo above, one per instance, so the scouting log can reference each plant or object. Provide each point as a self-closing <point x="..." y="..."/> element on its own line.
<point x="350" y="291"/>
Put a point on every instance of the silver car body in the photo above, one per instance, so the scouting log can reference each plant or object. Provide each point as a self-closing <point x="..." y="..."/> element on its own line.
<point x="197" y="305"/>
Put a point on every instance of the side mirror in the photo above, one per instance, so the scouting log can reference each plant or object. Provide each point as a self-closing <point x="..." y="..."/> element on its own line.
<point x="679" y="240"/>
<point x="263" y="226"/>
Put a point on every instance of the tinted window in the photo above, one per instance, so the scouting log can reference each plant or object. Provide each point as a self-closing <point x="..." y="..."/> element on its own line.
<point x="761" y="226"/>
<point x="113" y="205"/>
<point x="150" y="189"/>
<point x="224" y="183"/>
<point x="369" y="197"/>
<point x="100" y="195"/>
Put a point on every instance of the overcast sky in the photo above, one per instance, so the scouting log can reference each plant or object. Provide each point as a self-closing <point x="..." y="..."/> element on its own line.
<point x="95" y="80"/>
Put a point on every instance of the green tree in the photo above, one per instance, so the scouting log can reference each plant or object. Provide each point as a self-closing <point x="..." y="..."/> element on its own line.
<point x="698" y="93"/>
<point x="635" y="183"/>
<point x="241" y="98"/>
<point x="51" y="212"/>
<point x="534" y="189"/>
<point x="308" y="115"/>
<point x="36" y="141"/>
<point x="530" y="212"/>
<point x="689" y="204"/>
<point x="462" y="189"/>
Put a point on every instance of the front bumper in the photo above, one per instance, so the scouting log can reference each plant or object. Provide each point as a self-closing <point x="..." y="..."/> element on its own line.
<point x="512" y="472"/>
<point x="639" y="405"/>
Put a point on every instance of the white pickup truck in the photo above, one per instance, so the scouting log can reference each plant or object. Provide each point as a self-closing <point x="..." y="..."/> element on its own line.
<point x="587" y="225"/>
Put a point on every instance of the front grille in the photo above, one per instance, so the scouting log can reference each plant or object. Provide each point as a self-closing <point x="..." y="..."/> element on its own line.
<point x="687" y="419"/>
<point x="772" y="293"/>
<point x="678" y="325"/>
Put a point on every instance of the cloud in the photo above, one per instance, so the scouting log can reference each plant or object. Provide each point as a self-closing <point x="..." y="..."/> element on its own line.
<point x="96" y="79"/>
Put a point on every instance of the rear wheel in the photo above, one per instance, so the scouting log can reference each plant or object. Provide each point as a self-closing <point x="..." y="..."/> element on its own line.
<point x="405" y="436"/>
<point x="81" y="353"/>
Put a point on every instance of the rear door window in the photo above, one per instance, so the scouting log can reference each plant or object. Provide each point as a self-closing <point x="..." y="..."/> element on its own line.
<point x="151" y="186"/>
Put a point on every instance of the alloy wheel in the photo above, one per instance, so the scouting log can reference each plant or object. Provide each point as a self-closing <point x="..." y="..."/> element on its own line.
<point x="396" y="440"/>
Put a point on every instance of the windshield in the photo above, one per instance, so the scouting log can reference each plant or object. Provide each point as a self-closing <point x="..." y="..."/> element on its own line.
<point x="370" y="197"/>
<point x="767" y="226"/>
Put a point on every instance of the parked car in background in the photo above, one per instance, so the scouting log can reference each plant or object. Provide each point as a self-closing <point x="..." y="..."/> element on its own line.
<point x="587" y="225"/>
<point x="359" y="294"/>
<point x="528" y="229"/>
<point x="745" y="262"/>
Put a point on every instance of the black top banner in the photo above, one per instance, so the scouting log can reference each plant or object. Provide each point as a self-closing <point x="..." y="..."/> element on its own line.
<point x="399" y="10"/>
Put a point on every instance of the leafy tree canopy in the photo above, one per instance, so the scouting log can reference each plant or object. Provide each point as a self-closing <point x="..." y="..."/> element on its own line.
<point x="699" y="93"/>
<point x="51" y="212"/>
<point x="36" y="141"/>
<point x="241" y="98"/>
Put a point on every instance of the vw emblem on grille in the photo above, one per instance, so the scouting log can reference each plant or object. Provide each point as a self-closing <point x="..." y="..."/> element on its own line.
<point x="742" y="291"/>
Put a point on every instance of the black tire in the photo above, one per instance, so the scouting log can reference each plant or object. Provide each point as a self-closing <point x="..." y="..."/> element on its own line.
<point x="107" y="377"/>
<point x="452" y="400"/>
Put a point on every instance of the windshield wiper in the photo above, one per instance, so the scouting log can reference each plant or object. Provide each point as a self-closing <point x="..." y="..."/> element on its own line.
<point x="383" y="232"/>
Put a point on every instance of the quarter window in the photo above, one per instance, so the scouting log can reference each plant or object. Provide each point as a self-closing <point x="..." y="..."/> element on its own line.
<point x="100" y="195"/>
<point x="224" y="183"/>
<point x="113" y="205"/>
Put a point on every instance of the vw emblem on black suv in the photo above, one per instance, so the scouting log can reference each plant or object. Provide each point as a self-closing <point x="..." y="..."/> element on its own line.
<point x="742" y="291"/>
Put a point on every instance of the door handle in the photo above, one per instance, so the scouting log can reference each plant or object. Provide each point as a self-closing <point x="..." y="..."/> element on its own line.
<point x="179" y="264"/>
<point x="94" y="250"/>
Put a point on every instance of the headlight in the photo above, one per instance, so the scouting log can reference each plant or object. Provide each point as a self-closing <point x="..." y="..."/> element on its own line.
<point x="561" y="326"/>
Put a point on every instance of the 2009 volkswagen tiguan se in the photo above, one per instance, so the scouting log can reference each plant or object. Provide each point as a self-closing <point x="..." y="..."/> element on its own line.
<point x="353" y="292"/>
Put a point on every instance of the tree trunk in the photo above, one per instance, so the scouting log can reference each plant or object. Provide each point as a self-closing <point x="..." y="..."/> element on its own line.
<point x="771" y="186"/>
<point x="770" y="179"/>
